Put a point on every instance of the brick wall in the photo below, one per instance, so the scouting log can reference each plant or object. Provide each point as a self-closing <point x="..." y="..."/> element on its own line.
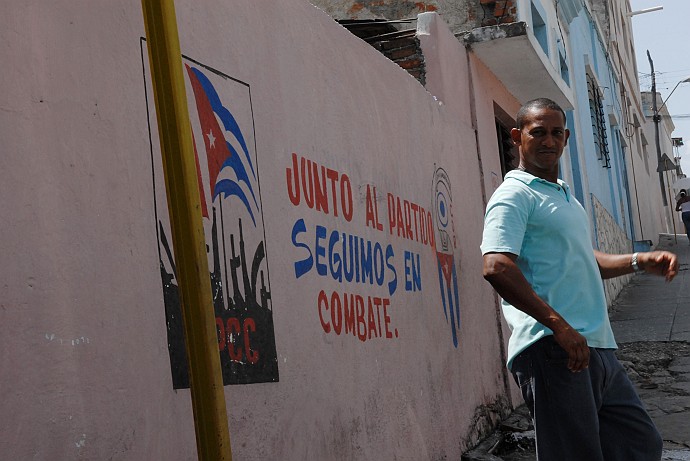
<point x="405" y="51"/>
<point x="400" y="46"/>
<point x="493" y="12"/>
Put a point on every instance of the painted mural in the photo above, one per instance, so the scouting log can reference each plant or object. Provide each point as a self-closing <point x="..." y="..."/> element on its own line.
<point x="228" y="174"/>
<point x="444" y="228"/>
<point x="374" y="262"/>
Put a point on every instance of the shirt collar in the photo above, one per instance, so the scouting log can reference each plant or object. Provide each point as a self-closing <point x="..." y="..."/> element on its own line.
<point x="529" y="178"/>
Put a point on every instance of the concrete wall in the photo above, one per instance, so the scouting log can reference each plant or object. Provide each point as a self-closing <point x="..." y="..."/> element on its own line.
<point x="485" y="83"/>
<point x="482" y="100"/>
<point x="668" y="217"/>
<point x="89" y="312"/>
<point x="651" y="214"/>
<point x="610" y="238"/>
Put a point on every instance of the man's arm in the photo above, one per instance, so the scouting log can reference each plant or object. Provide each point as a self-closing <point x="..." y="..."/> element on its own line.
<point x="508" y="280"/>
<point x="662" y="263"/>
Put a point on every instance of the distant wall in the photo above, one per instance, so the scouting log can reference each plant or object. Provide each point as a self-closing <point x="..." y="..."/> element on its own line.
<point x="351" y="311"/>
<point x="605" y="178"/>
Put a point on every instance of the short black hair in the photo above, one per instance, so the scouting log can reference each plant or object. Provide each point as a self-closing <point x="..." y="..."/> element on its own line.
<point x="539" y="103"/>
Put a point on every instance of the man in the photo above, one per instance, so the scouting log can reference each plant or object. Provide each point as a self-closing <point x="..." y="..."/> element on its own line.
<point x="538" y="256"/>
<point x="683" y="205"/>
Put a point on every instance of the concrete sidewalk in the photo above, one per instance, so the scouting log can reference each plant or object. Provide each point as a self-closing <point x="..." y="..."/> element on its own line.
<point x="649" y="308"/>
<point x="651" y="322"/>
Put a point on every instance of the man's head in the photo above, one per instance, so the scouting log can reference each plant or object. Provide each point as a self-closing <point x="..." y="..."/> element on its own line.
<point x="535" y="104"/>
<point x="540" y="136"/>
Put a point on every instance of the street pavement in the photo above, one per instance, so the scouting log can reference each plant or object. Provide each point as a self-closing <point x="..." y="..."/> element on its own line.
<point x="651" y="322"/>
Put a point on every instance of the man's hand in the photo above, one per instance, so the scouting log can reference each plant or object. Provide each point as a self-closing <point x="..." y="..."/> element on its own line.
<point x="662" y="263"/>
<point x="575" y="345"/>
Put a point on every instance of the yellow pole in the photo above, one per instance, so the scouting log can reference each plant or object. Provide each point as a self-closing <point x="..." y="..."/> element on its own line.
<point x="208" y="400"/>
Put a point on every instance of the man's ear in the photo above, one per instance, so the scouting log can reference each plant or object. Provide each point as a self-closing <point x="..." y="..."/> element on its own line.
<point x="516" y="136"/>
<point x="567" y="136"/>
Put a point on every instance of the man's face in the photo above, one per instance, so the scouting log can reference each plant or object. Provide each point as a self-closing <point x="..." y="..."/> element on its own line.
<point x="541" y="141"/>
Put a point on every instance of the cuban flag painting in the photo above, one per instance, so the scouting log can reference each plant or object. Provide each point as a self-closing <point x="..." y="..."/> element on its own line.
<point x="228" y="172"/>
<point x="222" y="123"/>
<point x="445" y="241"/>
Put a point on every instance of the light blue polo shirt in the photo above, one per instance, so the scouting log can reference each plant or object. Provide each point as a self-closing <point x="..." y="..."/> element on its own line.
<point x="547" y="228"/>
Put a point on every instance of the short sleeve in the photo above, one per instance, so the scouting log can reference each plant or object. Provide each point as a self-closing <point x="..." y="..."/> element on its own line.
<point x="505" y="221"/>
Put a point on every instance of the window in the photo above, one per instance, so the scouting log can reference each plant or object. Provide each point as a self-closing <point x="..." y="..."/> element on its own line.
<point x="540" y="32"/>
<point x="596" y="112"/>
<point x="565" y="75"/>
<point x="506" y="148"/>
<point x="645" y="156"/>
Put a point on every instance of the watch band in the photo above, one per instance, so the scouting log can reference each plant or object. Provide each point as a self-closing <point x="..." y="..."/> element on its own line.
<point x="636" y="267"/>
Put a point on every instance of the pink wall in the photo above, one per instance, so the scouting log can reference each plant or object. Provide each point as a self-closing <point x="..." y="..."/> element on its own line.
<point x="82" y="309"/>
<point x="485" y="83"/>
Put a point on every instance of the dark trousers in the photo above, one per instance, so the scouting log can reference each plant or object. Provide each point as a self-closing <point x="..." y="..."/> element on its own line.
<point x="593" y="415"/>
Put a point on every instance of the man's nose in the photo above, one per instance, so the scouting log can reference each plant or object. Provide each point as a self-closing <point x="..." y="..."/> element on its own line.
<point x="549" y="141"/>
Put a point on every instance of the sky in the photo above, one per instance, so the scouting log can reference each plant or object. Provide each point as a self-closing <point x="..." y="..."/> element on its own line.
<point x="666" y="34"/>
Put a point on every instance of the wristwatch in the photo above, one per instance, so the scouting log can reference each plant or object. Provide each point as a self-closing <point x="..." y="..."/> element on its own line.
<point x="636" y="267"/>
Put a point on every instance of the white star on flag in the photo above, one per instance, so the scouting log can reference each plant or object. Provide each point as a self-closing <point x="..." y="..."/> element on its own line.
<point x="211" y="139"/>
